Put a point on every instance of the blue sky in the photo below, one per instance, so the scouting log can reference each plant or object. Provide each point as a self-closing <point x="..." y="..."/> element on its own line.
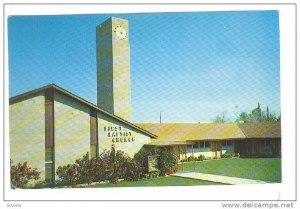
<point x="190" y="66"/>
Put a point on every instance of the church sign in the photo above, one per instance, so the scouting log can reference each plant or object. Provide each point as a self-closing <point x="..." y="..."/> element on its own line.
<point x="118" y="134"/>
<point x="153" y="163"/>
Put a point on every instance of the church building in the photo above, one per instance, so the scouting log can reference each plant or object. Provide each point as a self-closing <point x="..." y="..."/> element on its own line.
<point x="51" y="127"/>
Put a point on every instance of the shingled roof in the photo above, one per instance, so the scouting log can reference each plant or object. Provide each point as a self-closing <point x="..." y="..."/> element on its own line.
<point x="185" y="133"/>
<point x="261" y="130"/>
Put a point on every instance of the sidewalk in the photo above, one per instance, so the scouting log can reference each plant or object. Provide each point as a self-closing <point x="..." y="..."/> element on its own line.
<point x="218" y="178"/>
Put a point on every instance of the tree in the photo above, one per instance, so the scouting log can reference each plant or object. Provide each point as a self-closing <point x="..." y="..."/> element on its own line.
<point x="273" y="118"/>
<point x="243" y="117"/>
<point x="220" y="119"/>
<point x="257" y="115"/>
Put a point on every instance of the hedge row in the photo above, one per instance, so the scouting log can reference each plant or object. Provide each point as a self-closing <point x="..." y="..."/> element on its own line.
<point x="108" y="166"/>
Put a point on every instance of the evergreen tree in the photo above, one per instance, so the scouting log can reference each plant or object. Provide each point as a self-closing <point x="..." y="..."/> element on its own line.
<point x="257" y="115"/>
<point x="268" y="114"/>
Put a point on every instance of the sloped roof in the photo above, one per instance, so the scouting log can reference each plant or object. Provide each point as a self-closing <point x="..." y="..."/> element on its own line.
<point x="193" y="131"/>
<point x="79" y="99"/>
<point x="261" y="130"/>
<point x="180" y="133"/>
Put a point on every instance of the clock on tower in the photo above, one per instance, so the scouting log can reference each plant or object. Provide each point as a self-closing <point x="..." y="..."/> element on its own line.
<point x="120" y="32"/>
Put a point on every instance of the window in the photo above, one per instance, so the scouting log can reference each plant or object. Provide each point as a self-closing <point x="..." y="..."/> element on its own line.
<point x="265" y="142"/>
<point x="189" y="149"/>
<point x="204" y="144"/>
<point x="196" y="145"/>
<point x="207" y="144"/>
<point x="201" y="144"/>
<point x="226" y="143"/>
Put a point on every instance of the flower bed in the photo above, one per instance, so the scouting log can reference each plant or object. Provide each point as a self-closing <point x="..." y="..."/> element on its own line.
<point x="113" y="166"/>
<point x="230" y="155"/>
<point x="21" y="174"/>
<point x="109" y="166"/>
<point x="203" y="158"/>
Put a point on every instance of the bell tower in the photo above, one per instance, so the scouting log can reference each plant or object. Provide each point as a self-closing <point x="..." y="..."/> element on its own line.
<point x="113" y="67"/>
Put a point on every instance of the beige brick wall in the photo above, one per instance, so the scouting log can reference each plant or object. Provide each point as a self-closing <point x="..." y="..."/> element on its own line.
<point x="27" y="132"/>
<point x="72" y="130"/>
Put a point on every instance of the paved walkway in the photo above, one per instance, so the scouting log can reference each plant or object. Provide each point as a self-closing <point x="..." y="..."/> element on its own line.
<point x="218" y="178"/>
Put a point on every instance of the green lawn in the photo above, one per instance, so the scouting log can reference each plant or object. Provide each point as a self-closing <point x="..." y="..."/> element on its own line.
<point x="160" y="181"/>
<point x="265" y="169"/>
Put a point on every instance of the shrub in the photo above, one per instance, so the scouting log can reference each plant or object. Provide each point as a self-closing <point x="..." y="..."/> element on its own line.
<point x="167" y="163"/>
<point x="151" y="175"/>
<point x="173" y="169"/>
<point x="141" y="158"/>
<point x="230" y="155"/>
<point x="191" y="158"/>
<point x="133" y="171"/>
<point x="101" y="168"/>
<point x="41" y="184"/>
<point x="82" y="171"/>
<point x="68" y="175"/>
<point x="122" y="166"/>
<point x="237" y="154"/>
<point x="225" y="155"/>
<point x="201" y="158"/>
<point x="109" y="166"/>
<point x="21" y="174"/>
